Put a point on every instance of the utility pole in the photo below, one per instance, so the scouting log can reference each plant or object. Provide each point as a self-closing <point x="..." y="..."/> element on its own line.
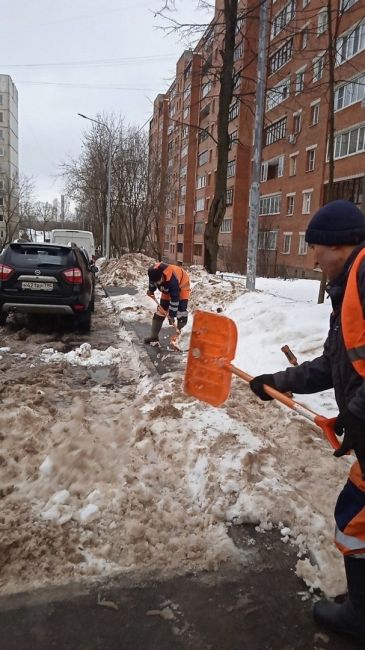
<point x="62" y="210"/>
<point x="257" y="147"/>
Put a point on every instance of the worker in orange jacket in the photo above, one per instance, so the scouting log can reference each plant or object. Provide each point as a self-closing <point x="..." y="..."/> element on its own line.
<point x="336" y="233"/>
<point x="174" y="284"/>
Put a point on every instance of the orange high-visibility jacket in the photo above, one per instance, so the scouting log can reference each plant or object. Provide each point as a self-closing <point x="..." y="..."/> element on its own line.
<point x="352" y="318"/>
<point x="169" y="273"/>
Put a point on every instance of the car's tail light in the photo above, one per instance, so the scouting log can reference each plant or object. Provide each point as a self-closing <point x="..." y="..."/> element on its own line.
<point x="74" y="275"/>
<point x="5" y="271"/>
<point x="78" y="307"/>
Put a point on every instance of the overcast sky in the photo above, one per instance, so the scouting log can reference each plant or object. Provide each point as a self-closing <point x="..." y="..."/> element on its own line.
<point x="87" y="56"/>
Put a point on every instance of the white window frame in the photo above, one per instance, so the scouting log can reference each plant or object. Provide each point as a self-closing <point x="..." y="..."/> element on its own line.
<point x="201" y="181"/>
<point x="278" y="94"/>
<point x="322" y="22"/>
<point x="293" y="161"/>
<point x="203" y="157"/>
<point x="315" y="112"/>
<point x="302" y="245"/>
<point x="200" y="204"/>
<point x="347" y="94"/>
<point x="345" y="47"/>
<point x="287" y="239"/>
<point x="270" y="204"/>
<point x="299" y="80"/>
<point x="318" y="67"/>
<point x="226" y="226"/>
<point x="290" y="203"/>
<point x="345" y="141"/>
<point x="310" y="159"/>
<point x="268" y="240"/>
<point x="307" y="201"/>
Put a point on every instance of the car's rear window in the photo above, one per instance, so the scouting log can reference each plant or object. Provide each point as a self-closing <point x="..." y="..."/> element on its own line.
<point x="30" y="256"/>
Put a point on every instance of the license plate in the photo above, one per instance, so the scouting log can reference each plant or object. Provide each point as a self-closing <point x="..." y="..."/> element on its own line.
<point x="38" y="286"/>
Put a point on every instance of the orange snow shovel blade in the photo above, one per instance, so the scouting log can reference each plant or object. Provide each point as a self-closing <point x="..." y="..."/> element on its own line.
<point x="213" y="338"/>
<point x="209" y="369"/>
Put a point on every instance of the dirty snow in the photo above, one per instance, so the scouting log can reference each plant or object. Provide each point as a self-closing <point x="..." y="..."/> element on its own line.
<point x="141" y="476"/>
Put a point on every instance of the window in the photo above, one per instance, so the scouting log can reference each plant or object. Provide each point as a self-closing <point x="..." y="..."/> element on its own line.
<point x="270" y="204"/>
<point x="181" y="209"/>
<point x="183" y="171"/>
<point x="290" y="201"/>
<point x="187" y="92"/>
<point x="234" y="110"/>
<point x="278" y="94"/>
<point x="293" y="165"/>
<point x="198" y="250"/>
<point x="233" y="138"/>
<point x="231" y="168"/>
<point x="229" y="196"/>
<point x="184" y="151"/>
<point x="275" y="131"/>
<point x="198" y="227"/>
<point x="1" y="100"/>
<point x="299" y="81"/>
<point x="303" y="38"/>
<point x="281" y="56"/>
<point x="297" y="122"/>
<point x="206" y="89"/>
<point x="314" y="115"/>
<point x="179" y="247"/>
<point x="318" y="64"/>
<point x="346" y="4"/>
<point x="180" y="228"/>
<point x="201" y="181"/>
<point x="238" y="52"/>
<point x="183" y="191"/>
<point x="2" y="151"/>
<point x="349" y="188"/>
<point x="322" y="21"/>
<point x="203" y="158"/>
<point x="351" y="43"/>
<point x="199" y="205"/>
<point x="186" y="113"/>
<point x="287" y="242"/>
<point x="350" y="142"/>
<point x="303" y="246"/>
<point x="283" y="18"/>
<point x="307" y="200"/>
<point x="203" y="135"/>
<point x="267" y="240"/>
<point x="1" y="116"/>
<point x="273" y="168"/>
<point x="226" y="226"/>
<point x="310" y="160"/>
<point x="349" y="93"/>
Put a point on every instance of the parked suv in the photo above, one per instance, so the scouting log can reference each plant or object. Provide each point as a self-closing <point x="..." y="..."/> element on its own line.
<point x="46" y="279"/>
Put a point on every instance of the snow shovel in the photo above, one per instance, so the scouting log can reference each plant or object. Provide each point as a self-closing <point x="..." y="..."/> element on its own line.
<point x="209" y="369"/>
<point x="175" y="338"/>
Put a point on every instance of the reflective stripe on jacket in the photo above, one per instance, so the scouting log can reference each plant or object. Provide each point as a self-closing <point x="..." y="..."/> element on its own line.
<point x="350" y="514"/>
<point x="352" y="318"/>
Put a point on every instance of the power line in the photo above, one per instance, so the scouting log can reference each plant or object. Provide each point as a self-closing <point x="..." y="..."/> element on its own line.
<point x="96" y="62"/>
<point x="75" y="85"/>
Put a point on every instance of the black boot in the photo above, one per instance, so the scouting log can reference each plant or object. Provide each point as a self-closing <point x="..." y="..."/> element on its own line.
<point x="155" y="329"/>
<point x="349" y="617"/>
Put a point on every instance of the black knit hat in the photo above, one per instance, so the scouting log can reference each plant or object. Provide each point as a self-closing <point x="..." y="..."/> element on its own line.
<point x="339" y="222"/>
<point x="155" y="273"/>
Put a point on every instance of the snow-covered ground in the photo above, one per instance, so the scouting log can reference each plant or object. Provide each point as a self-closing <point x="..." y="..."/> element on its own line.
<point x="146" y="477"/>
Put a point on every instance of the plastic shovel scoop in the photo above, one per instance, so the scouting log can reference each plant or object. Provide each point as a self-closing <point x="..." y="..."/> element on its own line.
<point x="209" y="369"/>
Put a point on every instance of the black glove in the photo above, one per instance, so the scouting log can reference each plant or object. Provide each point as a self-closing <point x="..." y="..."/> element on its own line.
<point x="257" y="386"/>
<point x="354" y="429"/>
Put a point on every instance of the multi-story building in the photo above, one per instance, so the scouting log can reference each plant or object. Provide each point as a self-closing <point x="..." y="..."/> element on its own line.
<point x="312" y="64"/>
<point x="8" y="156"/>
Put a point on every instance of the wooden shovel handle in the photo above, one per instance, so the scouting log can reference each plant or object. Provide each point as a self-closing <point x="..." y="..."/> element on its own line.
<point x="326" y="424"/>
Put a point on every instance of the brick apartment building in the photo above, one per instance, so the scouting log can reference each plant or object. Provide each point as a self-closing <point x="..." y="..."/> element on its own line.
<point x="295" y="171"/>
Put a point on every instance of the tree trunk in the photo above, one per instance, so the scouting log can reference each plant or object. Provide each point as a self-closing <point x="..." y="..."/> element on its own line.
<point x="218" y="206"/>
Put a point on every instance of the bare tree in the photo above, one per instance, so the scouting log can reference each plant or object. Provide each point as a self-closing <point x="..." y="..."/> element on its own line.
<point x="16" y="205"/>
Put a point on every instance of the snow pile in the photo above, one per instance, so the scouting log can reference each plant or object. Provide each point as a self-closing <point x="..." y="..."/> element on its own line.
<point x="84" y="356"/>
<point x="145" y="477"/>
<point x="128" y="269"/>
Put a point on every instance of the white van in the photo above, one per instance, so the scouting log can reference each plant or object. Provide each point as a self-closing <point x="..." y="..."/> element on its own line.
<point x="82" y="239"/>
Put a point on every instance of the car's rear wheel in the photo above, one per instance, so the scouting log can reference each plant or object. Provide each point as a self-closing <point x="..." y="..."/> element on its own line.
<point x="3" y="317"/>
<point x="83" y="321"/>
